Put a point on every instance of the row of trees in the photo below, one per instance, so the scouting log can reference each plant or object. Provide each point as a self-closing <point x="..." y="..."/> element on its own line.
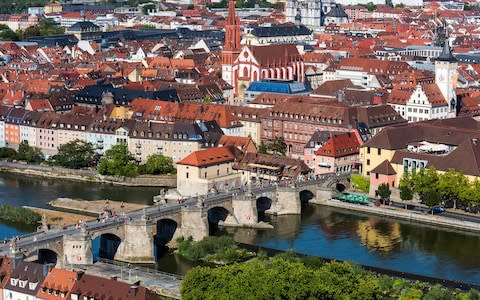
<point x="44" y="28"/>
<point x="435" y="188"/>
<point x="25" y="153"/>
<point x="289" y="277"/>
<point x="77" y="154"/>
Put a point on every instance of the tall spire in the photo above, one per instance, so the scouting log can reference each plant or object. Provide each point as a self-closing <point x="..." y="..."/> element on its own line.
<point x="446" y="54"/>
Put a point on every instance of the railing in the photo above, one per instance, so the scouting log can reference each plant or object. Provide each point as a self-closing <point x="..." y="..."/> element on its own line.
<point x="128" y="266"/>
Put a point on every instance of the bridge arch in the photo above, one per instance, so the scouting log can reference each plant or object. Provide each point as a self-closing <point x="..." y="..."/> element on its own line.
<point x="164" y="233"/>
<point x="215" y="216"/>
<point x="45" y="255"/>
<point x="306" y="195"/>
<point x="263" y="204"/>
<point x="105" y="245"/>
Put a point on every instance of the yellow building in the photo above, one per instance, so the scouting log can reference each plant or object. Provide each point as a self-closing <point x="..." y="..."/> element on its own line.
<point x="442" y="144"/>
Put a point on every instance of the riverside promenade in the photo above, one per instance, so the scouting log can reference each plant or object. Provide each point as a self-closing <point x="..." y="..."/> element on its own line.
<point x="399" y="213"/>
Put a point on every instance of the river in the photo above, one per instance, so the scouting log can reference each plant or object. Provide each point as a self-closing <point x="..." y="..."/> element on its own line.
<point x="319" y="231"/>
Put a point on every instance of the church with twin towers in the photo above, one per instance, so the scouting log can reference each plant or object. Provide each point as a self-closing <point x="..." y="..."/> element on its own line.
<point x="315" y="13"/>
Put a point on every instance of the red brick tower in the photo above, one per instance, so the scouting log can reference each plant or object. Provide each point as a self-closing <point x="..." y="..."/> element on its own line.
<point x="231" y="48"/>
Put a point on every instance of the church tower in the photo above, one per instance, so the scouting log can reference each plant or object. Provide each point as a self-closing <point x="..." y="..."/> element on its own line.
<point x="231" y="48"/>
<point x="446" y="77"/>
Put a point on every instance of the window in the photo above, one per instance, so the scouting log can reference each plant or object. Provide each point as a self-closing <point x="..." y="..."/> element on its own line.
<point x="205" y="174"/>
<point x="186" y="175"/>
<point x="368" y="150"/>
<point x="218" y="172"/>
<point x="379" y="151"/>
<point x="368" y="162"/>
<point x="376" y="175"/>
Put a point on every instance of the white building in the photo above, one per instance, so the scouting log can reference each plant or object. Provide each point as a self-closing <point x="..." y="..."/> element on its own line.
<point x="431" y="100"/>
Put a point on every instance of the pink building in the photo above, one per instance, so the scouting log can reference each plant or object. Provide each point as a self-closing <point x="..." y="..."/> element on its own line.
<point x="383" y="173"/>
<point x="338" y="155"/>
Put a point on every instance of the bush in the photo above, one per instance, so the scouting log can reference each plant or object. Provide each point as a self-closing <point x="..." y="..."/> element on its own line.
<point x="212" y="248"/>
<point x="361" y="183"/>
<point x="19" y="215"/>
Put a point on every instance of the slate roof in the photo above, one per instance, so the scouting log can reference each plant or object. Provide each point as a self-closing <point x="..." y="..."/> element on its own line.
<point x="284" y="30"/>
<point x="82" y="26"/>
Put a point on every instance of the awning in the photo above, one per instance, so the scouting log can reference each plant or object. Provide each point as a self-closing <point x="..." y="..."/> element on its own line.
<point x="263" y="167"/>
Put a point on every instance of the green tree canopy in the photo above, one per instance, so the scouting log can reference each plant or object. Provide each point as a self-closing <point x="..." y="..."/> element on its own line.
<point x="425" y="181"/>
<point x="361" y="183"/>
<point x="279" y="278"/>
<point x="76" y="154"/>
<point x="8" y="153"/>
<point x="451" y="184"/>
<point x="383" y="191"/>
<point x="118" y="161"/>
<point x="28" y="153"/>
<point x="159" y="164"/>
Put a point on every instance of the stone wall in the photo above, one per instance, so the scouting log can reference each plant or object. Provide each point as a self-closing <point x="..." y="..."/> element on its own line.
<point x="406" y="215"/>
<point x="87" y="175"/>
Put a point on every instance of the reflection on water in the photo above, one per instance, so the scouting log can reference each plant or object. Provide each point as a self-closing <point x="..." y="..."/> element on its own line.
<point x="379" y="236"/>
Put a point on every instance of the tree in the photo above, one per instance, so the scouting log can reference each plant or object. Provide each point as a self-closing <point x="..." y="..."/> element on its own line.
<point x="389" y="3"/>
<point x="159" y="164"/>
<point x="383" y="191"/>
<point x="406" y="194"/>
<point x="28" y="153"/>
<point x="425" y="181"/>
<point x="406" y="188"/>
<point x="8" y="153"/>
<point x="76" y="154"/>
<point x="207" y="99"/>
<point x="360" y="183"/>
<point x="432" y="198"/>
<point x="8" y="35"/>
<point x="278" y="146"/>
<point x="262" y="148"/>
<point x="118" y="161"/>
<point x="451" y="184"/>
<point x="470" y="194"/>
<point x="370" y="6"/>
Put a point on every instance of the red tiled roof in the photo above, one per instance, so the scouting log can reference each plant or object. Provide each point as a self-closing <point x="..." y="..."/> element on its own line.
<point x="340" y="145"/>
<point x="211" y="156"/>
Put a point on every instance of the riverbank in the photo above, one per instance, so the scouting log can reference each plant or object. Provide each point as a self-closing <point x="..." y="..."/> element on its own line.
<point x="403" y="214"/>
<point x="87" y="175"/>
<point x="93" y="208"/>
<point x="59" y="218"/>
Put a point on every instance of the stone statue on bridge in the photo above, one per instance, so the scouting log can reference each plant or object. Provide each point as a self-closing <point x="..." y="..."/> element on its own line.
<point x="44" y="227"/>
<point x="13" y="245"/>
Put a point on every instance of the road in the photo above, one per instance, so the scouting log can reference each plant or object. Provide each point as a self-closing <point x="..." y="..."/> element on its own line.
<point x="446" y="214"/>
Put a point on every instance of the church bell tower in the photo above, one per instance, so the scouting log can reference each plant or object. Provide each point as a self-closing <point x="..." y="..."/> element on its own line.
<point x="231" y="48"/>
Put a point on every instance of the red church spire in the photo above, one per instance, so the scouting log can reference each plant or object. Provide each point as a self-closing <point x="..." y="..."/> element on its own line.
<point x="231" y="48"/>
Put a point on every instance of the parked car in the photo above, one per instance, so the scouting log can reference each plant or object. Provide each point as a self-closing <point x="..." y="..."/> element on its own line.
<point x="472" y="209"/>
<point x="436" y="210"/>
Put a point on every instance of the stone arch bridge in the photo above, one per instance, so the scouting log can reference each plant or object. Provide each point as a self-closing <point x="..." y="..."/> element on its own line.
<point x="137" y="232"/>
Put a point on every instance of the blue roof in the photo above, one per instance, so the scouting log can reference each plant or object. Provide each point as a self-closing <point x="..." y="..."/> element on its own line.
<point x="278" y="87"/>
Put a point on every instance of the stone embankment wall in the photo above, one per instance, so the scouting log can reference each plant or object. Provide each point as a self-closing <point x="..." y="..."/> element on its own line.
<point x="405" y="215"/>
<point x="87" y="175"/>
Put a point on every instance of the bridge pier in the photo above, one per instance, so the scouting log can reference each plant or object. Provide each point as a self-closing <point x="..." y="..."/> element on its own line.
<point x="137" y="245"/>
<point x="194" y="223"/>
<point x="244" y="211"/>
<point x="77" y="249"/>
<point x="323" y="194"/>
<point x="287" y="202"/>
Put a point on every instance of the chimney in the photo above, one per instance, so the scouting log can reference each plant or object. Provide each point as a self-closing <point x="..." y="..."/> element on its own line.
<point x="79" y="274"/>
